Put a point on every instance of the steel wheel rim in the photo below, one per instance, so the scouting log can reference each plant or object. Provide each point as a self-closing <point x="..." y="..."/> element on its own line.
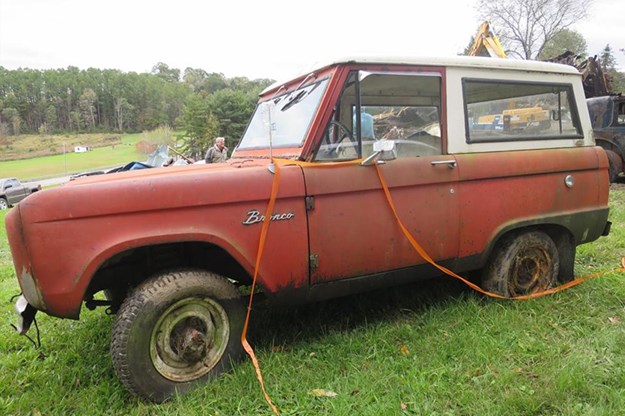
<point x="3" y="204"/>
<point x="531" y="272"/>
<point x="189" y="339"/>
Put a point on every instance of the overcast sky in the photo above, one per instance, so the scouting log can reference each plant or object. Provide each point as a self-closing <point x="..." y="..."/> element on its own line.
<point x="256" y="38"/>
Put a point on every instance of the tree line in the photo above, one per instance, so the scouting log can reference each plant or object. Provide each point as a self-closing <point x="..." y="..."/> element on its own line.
<point x="203" y="105"/>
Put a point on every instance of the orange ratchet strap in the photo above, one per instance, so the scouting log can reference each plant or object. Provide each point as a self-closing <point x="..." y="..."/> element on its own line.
<point x="413" y="242"/>
<point x="473" y="286"/>
<point x="261" y="247"/>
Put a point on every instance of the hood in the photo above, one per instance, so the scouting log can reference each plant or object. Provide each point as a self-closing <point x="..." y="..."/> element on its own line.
<point x="145" y="190"/>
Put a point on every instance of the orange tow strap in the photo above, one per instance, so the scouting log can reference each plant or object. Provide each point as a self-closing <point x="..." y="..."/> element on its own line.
<point x="261" y="246"/>
<point x="413" y="242"/>
<point x="473" y="286"/>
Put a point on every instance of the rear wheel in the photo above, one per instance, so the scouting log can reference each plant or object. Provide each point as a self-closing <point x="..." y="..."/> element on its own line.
<point x="616" y="165"/>
<point x="522" y="264"/>
<point x="176" y="330"/>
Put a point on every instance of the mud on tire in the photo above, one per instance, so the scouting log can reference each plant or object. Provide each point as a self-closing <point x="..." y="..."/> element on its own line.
<point x="522" y="264"/>
<point x="175" y="331"/>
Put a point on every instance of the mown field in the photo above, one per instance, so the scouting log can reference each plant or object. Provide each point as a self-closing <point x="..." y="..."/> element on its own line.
<point x="106" y="156"/>
<point x="433" y="348"/>
<point x="29" y="146"/>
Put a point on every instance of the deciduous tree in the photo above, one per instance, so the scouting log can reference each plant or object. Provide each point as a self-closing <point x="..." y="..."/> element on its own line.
<point x="87" y="107"/>
<point x="565" y="40"/>
<point x="164" y="72"/>
<point x="525" y="26"/>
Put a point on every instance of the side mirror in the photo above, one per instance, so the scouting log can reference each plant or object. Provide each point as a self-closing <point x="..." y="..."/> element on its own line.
<point x="382" y="150"/>
<point x="384" y="146"/>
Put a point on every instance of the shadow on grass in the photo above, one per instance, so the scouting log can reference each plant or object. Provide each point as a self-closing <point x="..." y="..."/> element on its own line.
<point x="65" y="344"/>
<point x="272" y="324"/>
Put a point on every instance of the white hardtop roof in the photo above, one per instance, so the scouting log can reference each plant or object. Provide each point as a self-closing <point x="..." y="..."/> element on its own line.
<point x="450" y="61"/>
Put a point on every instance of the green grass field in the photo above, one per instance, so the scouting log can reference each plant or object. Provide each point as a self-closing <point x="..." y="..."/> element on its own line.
<point x="70" y="162"/>
<point x="433" y="348"/>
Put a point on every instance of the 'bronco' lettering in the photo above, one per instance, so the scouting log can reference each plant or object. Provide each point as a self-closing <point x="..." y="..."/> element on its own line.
<point x="254" y="217"/>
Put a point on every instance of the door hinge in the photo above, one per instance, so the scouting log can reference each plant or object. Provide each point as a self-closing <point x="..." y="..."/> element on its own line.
<point x="313" y="262"/>
<point x="310" y="203"/>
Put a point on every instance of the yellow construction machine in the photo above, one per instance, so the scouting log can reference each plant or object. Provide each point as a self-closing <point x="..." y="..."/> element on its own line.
<point x="486" y="43"/>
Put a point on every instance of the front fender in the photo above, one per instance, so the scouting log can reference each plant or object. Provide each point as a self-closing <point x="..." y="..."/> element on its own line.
<point x="66" y="251"/>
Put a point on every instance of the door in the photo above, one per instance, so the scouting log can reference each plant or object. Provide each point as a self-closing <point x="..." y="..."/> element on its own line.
<point x="352" y="229"/>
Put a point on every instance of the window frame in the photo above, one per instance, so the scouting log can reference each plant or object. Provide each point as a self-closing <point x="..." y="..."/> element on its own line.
<point x="360" y="74"/>
<point x="563" y="86"/>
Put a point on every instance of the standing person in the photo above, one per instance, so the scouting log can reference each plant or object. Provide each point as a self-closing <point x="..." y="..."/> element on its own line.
<point x="217" y="153"/>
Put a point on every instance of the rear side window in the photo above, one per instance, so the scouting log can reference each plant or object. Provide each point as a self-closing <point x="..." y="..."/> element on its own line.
<point x="508" y="110"/>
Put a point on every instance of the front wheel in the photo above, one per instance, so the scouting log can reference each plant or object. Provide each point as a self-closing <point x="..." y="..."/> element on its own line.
<point x="522" y="264"/>
<point x="3" y="203"/>
<point x="176" y="330"/>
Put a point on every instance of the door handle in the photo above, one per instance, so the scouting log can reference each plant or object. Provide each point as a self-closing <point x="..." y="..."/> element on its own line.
<point x="450" y="163"/>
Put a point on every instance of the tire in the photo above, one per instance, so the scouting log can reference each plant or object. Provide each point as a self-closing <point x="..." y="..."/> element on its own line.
<point x="522" y="264"/>
<point x="175" y="331"/>
<point x="3" y="203"/>
<point x="616" y="165"/>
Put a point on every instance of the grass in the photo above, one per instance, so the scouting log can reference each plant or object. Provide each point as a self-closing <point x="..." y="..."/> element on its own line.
<point x="66" y="164"/>
<point x="433" y="348"/>
<point x="29" y="146"/>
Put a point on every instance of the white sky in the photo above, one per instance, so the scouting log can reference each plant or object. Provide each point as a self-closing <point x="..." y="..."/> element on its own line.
<point x="254" y="38"/>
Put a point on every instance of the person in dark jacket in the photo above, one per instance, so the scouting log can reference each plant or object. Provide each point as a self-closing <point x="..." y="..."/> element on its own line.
<point x="217" y="153"/>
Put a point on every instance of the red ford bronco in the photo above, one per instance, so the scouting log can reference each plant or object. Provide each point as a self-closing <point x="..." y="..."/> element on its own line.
<point x="489" y="163"/>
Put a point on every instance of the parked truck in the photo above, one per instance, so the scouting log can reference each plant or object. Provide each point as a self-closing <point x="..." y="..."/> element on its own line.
<point x="171" y="248"/>
<point x="607" y="115"/>
<point x="13" y="191"/>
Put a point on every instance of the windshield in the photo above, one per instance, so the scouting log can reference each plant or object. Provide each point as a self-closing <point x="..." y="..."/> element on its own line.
<point x="289" y="116"/>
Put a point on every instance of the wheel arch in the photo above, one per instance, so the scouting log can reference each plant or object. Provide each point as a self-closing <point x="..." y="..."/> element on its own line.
<point x="562" y="236"/>
<point x="614" y="152"/>
<point x="610" y="144"/>
<point x="127" y="265"/>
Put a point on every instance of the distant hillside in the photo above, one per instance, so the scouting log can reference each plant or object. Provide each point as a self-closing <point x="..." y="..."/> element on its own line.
<point x="31" y="146"/>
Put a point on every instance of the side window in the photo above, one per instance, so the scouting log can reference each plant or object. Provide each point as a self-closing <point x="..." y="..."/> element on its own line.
<point x="505" y="110"/>
<point x="621" y="113"/>
<point x="403" y="107"/>
<point x="415" y="129"/>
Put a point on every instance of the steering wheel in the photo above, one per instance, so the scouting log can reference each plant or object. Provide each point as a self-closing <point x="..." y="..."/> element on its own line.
<point x="343" y="132"/>
<point x="334" y="141"/>
<point x="342" y="145"/>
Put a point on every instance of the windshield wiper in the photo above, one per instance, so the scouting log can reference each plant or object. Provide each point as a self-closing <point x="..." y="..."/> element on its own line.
<point x="300" y="95"/>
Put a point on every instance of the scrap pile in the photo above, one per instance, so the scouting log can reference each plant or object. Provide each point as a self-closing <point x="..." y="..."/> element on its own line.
<point x="596" y="83"/>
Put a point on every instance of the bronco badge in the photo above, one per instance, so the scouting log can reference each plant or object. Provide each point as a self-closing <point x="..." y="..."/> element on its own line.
<point x="254" y="217"/>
